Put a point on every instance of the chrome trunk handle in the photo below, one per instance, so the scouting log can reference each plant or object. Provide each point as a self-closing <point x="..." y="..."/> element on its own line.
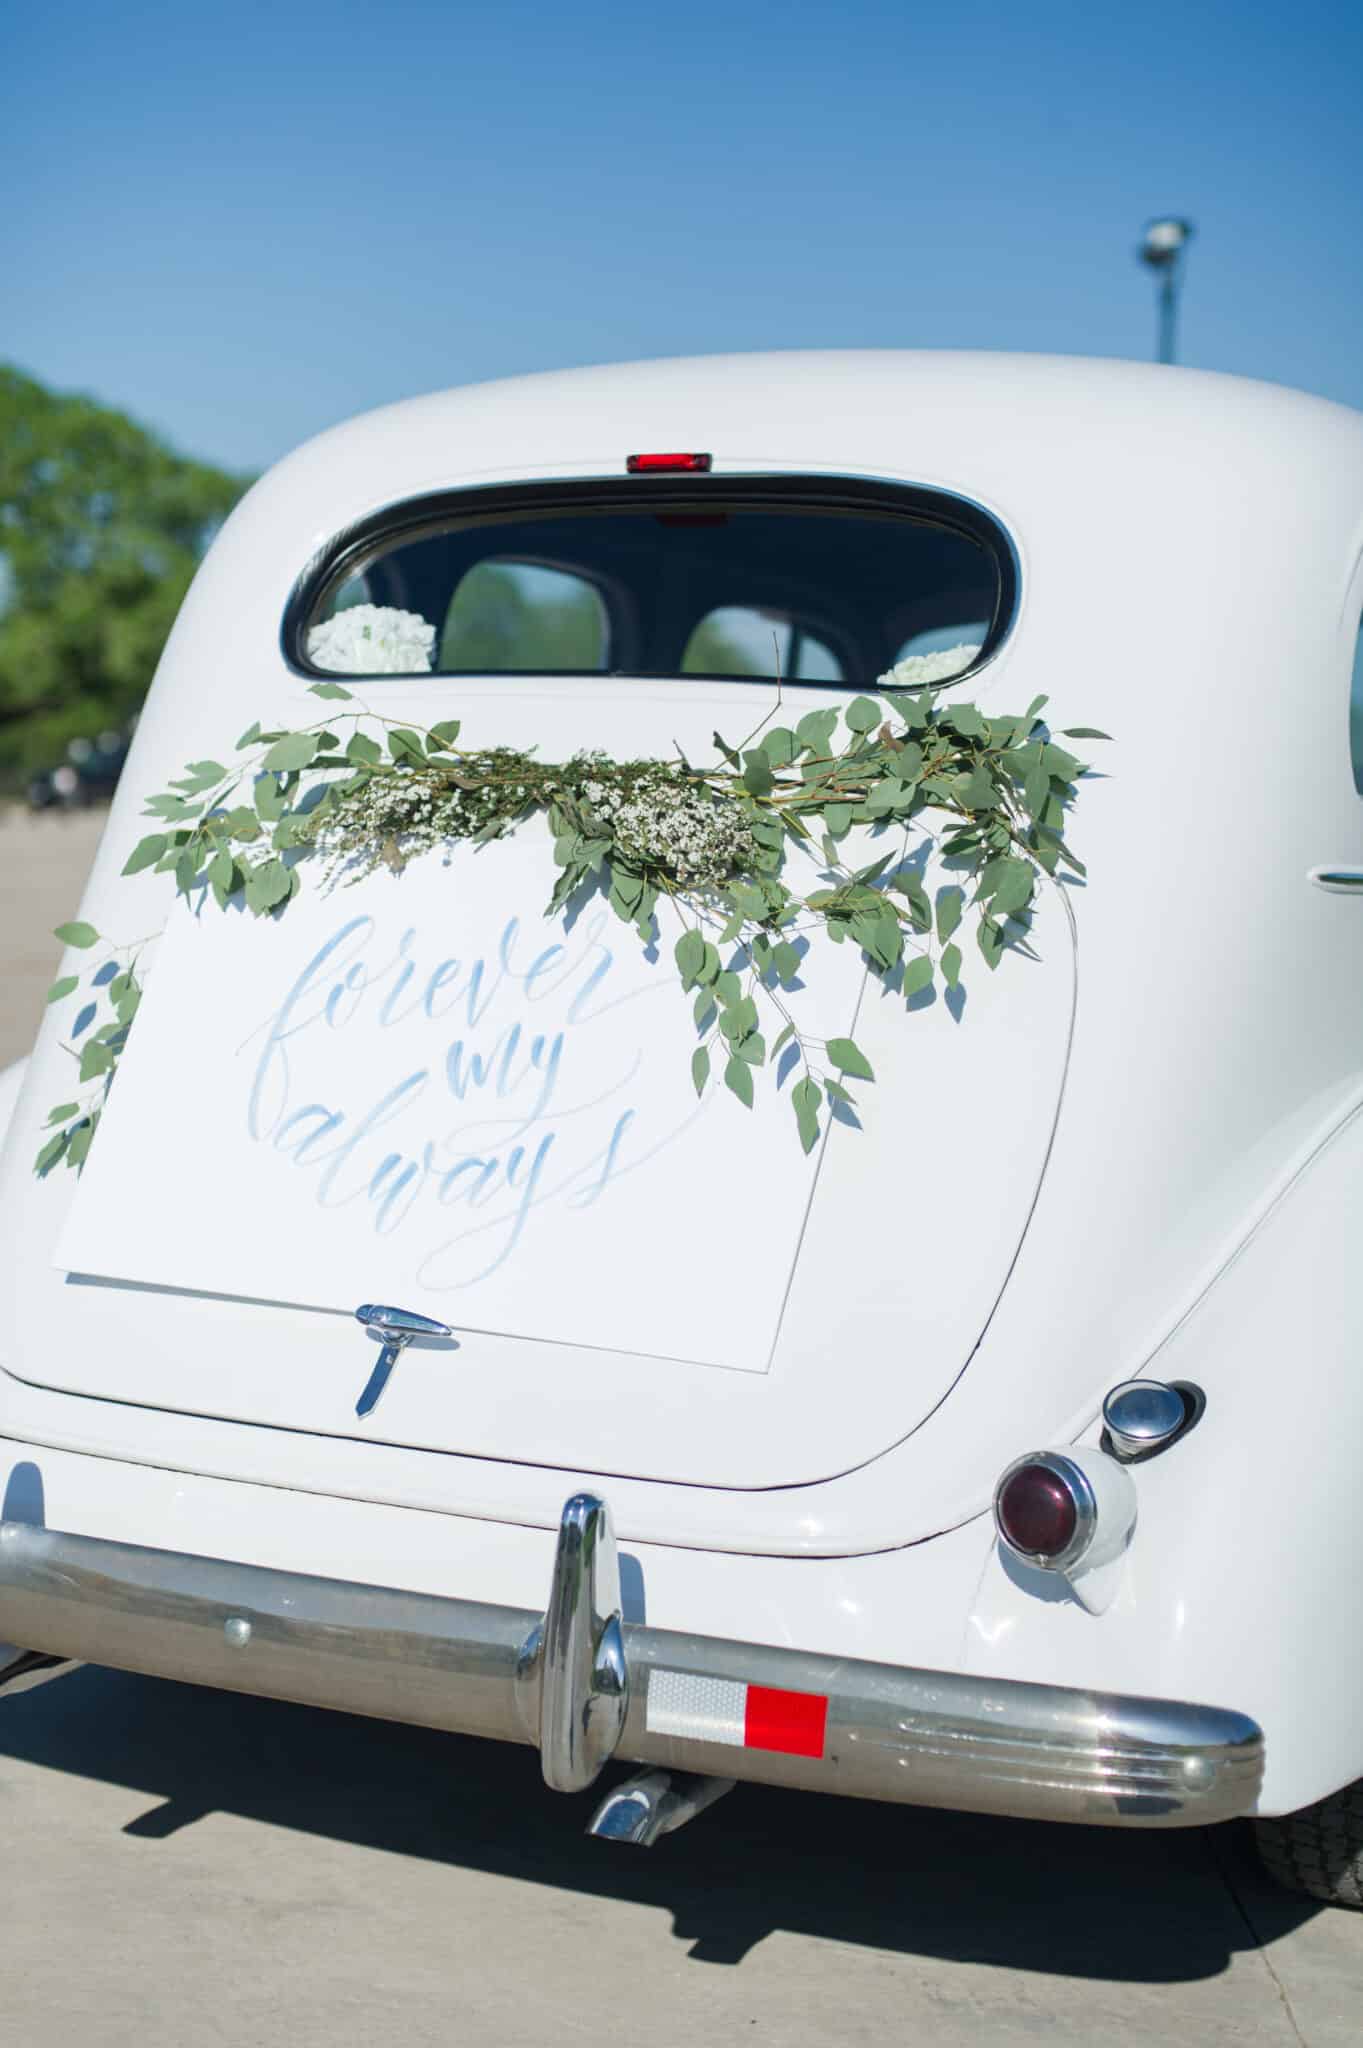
<point x="397" y="1327"/>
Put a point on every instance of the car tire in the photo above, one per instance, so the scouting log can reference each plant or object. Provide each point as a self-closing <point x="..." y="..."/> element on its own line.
<point x="1320" y="1849"/>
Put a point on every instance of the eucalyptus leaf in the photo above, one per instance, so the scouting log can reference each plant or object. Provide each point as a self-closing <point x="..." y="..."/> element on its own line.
<point x="815" y="730"/>
<point x="50" y="1153"/>
<point x="266" y="886"/>
<point x="950" y="906"/>
<point x="295" y="750"/>
<point x="269" y="799"/>
<point x="146" y="853"/>
<point x="848" y="1058"/>
<point x="738" y="1079"/>
<point x="757" y="775"/>
<point x="786" y="960"/>
<point x="977" y="791"/>
<point x="78" y="934"/>
<point x="917" y="974"/>
<point x="806" y="1098"/>
<point x="689" y="954"/>
<point x="95" y="1059"/>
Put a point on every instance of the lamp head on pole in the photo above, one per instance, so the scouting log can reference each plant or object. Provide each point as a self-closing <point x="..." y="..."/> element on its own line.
<point x="1164" y="241"/>
<point x="1161" y="249"/>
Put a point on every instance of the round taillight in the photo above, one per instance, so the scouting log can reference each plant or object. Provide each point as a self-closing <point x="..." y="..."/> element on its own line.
<point x="1044" y="1510"/>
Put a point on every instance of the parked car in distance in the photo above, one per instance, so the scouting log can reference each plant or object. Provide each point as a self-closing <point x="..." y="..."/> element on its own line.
<point x="1009" y="1460"/>
<point x="88" y="775"/>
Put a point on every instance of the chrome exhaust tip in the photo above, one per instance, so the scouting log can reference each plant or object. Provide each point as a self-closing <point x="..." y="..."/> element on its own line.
<point x="654" y="1803"/>
<point x="21" y="1670"/>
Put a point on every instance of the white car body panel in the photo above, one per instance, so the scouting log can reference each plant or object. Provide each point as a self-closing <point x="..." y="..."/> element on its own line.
<point x="1191" y="582"/>
<point x="11" y="1081"/>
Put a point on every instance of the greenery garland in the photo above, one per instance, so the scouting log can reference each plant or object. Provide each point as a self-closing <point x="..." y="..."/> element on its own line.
<point x="709" y="841"/>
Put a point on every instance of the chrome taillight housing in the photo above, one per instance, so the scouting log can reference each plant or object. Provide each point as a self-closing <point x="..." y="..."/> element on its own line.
<point x="1065" y="1511"/>
<point x="1044" y="1510"/>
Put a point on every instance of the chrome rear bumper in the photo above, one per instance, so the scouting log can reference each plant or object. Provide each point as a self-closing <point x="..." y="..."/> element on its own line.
<point x="576" y="1683"/>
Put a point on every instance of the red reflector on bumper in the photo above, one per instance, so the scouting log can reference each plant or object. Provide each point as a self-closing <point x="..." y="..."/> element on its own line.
<point x="791" y="1722"/>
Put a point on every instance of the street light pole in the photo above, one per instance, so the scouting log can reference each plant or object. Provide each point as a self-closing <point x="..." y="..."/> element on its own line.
<point x="1162" y="248"/>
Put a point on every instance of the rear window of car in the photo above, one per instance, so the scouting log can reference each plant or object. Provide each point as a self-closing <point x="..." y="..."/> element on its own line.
<point x="732" y="578"/>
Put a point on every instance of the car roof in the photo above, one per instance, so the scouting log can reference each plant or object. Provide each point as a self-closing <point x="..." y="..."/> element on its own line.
<point x="1041" y="441"/>
<point x="790" y="403"/>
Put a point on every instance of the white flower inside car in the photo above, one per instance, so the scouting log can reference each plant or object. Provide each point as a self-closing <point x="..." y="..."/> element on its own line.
<point x="916" y="671"/>
<point x="373" y="639"/>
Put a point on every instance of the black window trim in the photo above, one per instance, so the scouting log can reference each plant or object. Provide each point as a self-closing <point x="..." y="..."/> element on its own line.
<point x="409" y="518"/>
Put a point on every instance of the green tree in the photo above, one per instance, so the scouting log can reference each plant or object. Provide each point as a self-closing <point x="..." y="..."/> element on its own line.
<point x="101" y="529"/>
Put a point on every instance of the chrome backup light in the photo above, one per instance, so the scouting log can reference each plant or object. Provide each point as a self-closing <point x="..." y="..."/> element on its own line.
<point x="1141" y="1416"/>
<point x="1065" y="1511"/>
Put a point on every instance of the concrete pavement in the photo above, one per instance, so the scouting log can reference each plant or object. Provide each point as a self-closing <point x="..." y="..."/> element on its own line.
<point x="43" y="864"/>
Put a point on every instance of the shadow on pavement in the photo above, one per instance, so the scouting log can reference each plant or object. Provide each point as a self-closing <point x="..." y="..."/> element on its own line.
<point x="1136" y="1907"/>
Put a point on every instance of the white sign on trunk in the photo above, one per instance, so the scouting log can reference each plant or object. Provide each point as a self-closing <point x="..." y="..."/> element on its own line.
<point x="417" y="1090"/>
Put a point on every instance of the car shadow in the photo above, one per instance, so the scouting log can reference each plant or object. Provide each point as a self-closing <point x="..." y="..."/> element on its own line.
<point x="1136" y="1906"/>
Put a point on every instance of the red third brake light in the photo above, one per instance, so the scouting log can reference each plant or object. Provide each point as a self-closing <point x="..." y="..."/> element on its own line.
<point x="639" y="465"/>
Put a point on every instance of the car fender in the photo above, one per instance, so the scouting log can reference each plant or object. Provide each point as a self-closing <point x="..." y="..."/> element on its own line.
<point x="1240" y="1586"/>
<point x="11" y="1081"/>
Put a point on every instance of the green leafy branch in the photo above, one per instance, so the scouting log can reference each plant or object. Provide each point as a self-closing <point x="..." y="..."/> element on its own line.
<point x="114" y="982"/>
<point x="705" y="847"/>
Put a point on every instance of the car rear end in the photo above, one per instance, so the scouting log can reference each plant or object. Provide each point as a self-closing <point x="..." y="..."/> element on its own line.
<point x="709" y="1547"/>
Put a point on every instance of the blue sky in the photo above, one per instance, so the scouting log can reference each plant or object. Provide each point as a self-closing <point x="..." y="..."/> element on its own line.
<point x="243" y="224"/>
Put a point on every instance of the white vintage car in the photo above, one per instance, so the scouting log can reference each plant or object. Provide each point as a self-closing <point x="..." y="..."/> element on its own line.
<point x="1002" y="1454"/>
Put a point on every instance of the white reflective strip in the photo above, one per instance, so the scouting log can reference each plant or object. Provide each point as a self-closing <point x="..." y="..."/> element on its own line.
<point x="704" y="1709"/>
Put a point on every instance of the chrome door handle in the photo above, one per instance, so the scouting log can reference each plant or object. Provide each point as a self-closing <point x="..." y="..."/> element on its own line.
<point x="1339" y="881"/>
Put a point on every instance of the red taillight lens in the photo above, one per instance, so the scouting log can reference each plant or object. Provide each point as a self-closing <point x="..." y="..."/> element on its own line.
<point x="1037" y="1512"/>
<point x="640" y="465"/>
